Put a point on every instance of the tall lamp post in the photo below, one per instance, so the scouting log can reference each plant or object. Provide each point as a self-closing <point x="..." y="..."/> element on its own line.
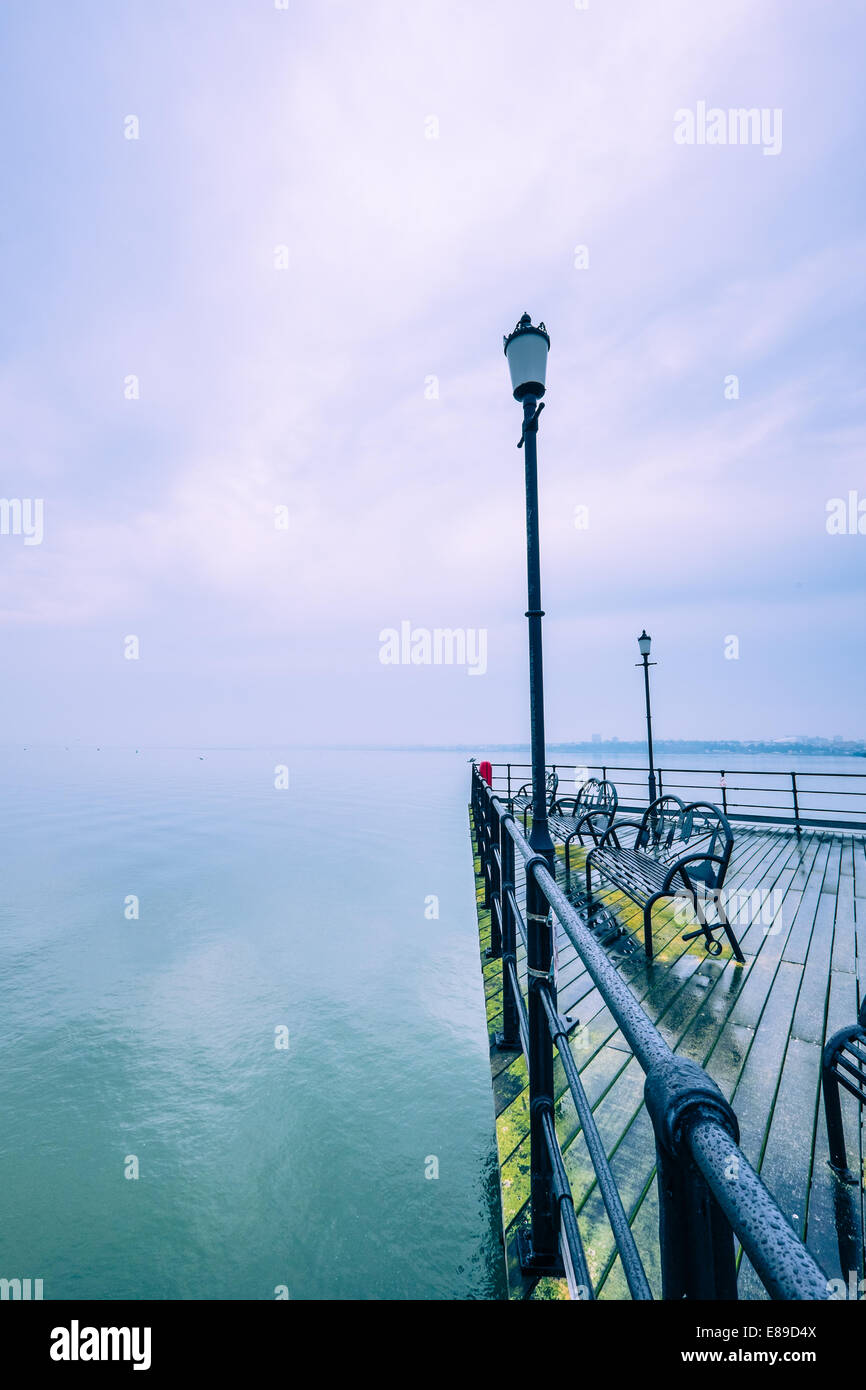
<point x="526" y="349"/>
<point x="644" y="642"/>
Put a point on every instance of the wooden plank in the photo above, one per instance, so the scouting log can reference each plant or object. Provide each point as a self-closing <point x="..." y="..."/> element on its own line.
<point x="844" y="948"/>
<point x="812" y="1004"/>
<point x="797" y="945"/>
<point x="787" y="1160"/>
<point x="755" y="1092"/>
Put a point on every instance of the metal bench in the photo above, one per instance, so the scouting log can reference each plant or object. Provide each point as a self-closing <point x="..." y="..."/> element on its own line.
<point x="678" y="849"/>
<point x="522" y="799"/>
<point x="592" y="810"/>
<point x="843" y="1063"/>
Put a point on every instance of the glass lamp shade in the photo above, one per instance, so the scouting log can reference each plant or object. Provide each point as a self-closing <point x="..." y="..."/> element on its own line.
<point x="644" y="643"/>
<point x="526" y="349"/>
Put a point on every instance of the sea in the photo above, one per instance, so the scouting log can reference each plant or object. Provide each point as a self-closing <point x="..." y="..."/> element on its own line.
<point x="243" y="1039"/>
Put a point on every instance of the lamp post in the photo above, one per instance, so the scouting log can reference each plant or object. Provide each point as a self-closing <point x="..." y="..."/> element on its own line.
<point x="644" y="642"/>
<point x="526" y="349"/>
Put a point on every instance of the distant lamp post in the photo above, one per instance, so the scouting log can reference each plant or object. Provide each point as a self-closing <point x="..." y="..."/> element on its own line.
<point x="526" y="349"/>
<point x="644" y="643"/>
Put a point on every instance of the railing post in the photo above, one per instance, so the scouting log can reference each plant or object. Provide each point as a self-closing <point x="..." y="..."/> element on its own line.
<point x="540" y="1253"/>
<point x="484" y="805"/>
<point x="724" y="789"/>
<point x="695" y="1239"/>
<point x="508" y="766"/>
<point x="476" y="815"/>
<point x="796" y="802"/>
<point x="494" y="951"/>
<point x="661" y="790"/>
<point x="509" y="1039"/>
<point x="483" y="840"/>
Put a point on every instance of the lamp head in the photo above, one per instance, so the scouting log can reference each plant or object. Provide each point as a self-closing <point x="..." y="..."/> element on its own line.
<point x="526" y="348"/>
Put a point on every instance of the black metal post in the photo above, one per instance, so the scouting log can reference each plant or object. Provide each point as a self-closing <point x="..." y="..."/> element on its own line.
<point x="796" y="802"/>
<point x="649" y="728"/>
<point x="509" y="1039"/>
<point x="540" y="1253"/>
<point x="484" y="823"/>
<point x="695" y="1239"/>
<point x="476" y="814"/>
<point x="494" y="950"/>
<point x="539" y="838"/>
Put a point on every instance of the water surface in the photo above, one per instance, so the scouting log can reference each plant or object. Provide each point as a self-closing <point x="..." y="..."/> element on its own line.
<point x="307" y="909"/>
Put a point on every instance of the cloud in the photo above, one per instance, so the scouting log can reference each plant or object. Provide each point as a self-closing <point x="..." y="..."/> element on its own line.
<point x="408" y="257"/>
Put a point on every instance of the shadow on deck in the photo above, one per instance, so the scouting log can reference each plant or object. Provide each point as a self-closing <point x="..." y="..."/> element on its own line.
<point x="757" y="1028"/>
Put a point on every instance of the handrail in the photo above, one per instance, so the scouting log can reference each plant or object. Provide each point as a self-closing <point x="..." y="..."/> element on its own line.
<point x="697" y="1137"/>
<point x="801" y="805"/>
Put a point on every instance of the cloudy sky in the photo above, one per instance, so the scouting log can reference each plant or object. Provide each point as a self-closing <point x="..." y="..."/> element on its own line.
<point x="252" y="366"/>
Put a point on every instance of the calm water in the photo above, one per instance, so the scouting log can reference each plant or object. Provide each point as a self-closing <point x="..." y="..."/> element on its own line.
<point x="259" y="909"/>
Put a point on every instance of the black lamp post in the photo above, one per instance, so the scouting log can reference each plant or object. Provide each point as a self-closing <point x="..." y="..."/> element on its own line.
<point x="644" y="643"/>
<point x="526" y="349"/>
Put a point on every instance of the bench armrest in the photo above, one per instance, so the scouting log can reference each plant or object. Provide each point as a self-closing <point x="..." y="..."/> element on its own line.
<point x="591" y="815"/>
<point x="692" y="859"/>
<point x="618" y="825"/>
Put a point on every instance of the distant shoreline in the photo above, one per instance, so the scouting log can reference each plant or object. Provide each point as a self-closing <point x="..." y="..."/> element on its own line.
<point x="812" y="748"/>
<point x="670" y="746"/>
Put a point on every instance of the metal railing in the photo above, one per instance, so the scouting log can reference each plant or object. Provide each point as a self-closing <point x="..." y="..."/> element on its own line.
<point x="763" y="797"/>
<point x="708" y="1191"/>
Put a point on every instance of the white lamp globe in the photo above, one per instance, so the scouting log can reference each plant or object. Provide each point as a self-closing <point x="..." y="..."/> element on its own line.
<point x="526" y="349"/>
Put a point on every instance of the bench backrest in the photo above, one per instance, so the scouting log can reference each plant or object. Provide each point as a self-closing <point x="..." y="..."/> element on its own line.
<point x="596" y="795"/>
<point x="671" y="829"/>
<point x="551" y="784"/>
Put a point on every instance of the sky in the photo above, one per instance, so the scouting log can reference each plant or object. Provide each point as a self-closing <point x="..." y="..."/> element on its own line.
<point x="258" y="258"/>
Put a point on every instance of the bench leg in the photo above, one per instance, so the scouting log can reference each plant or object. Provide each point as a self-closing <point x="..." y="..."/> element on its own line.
<point x="835" y="1132"/>
<point x="712" y="945"/>
<point x="648" y="929"/>
<point x="568" y="863"/>
<point x="706" y="931"/>
<point x="728" y="929"/>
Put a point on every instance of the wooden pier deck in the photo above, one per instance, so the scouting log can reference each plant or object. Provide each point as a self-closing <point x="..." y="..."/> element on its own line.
<point x="757" y="1028"/>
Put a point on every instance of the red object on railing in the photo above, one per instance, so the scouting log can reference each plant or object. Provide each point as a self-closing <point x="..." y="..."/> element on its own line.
<point x="486" y="771"/>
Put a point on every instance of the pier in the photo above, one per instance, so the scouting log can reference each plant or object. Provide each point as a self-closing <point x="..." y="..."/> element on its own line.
<point x="757" y="1029"/>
